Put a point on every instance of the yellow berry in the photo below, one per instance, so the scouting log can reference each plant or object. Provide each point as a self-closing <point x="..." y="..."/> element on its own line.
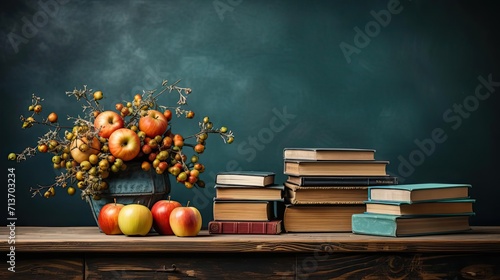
<point x="12" y="156"/>
<point x="98" y="95"/>
<point x="93" y="159"/>
<point x="71" y="190"/>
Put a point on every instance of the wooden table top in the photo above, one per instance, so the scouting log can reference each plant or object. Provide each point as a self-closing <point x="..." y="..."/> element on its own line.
<point x="90" y="239"/>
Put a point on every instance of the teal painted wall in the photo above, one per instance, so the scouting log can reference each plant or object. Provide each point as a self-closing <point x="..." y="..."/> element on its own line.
<point x="415" y="80"/>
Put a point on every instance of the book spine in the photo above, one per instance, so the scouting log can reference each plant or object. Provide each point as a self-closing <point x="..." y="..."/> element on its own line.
<point x="233" y="227"/>
<point x="362" y="224"/>
<point x="350" y="182"/>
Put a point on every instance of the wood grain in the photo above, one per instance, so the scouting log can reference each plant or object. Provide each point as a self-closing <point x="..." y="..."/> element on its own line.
<point x="46" y="266"/>
<point x="89" y="239"/>
<point x="86" y="253"/>
<point x="398" y="266"/>
<point x="181" y="266"/>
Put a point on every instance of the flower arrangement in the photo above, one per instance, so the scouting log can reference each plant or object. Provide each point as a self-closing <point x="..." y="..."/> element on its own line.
<point x="103" y="141"/>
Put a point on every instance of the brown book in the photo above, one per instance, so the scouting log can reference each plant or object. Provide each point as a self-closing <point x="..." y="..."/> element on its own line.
<point x="325" y="194"/>
<point x="232" y="192"/>
<point x="328" y="154"/>
<point x="320" y="218"/>
<point x="246" y="178"/>
<point x="232" y="210"/>
<point x="245" y="227"/>
<point x="440" y="207"/>
<point x="335" y="168"/>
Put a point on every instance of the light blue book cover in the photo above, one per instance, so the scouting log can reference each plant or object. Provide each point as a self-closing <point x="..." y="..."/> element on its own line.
<point x="395" y="226"/>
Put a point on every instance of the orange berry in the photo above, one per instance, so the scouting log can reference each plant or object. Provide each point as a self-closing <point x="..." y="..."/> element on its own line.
<point x="168" y="114"/>
<point x="146" y="166"/>
<point x="52" y="117"/>
<point x="199" y="148"/>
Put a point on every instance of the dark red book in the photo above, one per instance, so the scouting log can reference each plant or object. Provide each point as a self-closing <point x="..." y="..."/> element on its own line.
<point x="244" y="227"/>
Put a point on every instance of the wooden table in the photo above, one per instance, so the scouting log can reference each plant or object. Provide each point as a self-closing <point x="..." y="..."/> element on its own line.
<point x="85" y="253"/>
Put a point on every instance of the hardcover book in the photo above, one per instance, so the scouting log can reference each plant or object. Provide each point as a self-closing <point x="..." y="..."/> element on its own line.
<point x="232" y="192"/>
<point x="440" y="207"/>
<point x="245" y="227"/>
<point x="335" y="168"/>
<point x="395" y="225"/>
<point x="232" y="210"/>
<point x="325" y="194"/>
<point x="320" y="218"/>
<point x="328" y="154"/>
<point x="246" y="178"/>
<point x="418" y="192"/>
<point x="342" y="181"/>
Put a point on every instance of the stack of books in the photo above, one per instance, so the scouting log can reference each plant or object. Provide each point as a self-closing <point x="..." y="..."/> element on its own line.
<point x="245" y="202"/>
<point x="326" y="186"/>
<point x="415" y="209"/>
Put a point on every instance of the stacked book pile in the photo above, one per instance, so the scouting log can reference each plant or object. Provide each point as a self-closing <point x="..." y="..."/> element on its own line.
<point x="415" y="209"/>
<point x="245" y="203"/>
<point x="326" y="186"/>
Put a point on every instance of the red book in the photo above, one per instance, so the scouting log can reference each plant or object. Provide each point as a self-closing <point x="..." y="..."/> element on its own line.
<point x="244" y="227"/>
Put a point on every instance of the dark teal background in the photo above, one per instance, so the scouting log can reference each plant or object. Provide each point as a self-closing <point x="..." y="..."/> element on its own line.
<point x="274" y="73"/>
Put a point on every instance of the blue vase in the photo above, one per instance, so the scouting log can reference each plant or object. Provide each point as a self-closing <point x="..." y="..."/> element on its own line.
<point x="133" y="185"/>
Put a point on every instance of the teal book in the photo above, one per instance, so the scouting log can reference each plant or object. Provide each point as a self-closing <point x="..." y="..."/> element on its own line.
<point x="411" y="193"/>
<point x="440" y="207"/>
<point x="396" y="226"/>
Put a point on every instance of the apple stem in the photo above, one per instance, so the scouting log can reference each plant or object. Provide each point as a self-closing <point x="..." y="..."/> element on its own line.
<point x="115" y="200"/>
<point x="187" y="205"/>
<point x="169" y="198"/>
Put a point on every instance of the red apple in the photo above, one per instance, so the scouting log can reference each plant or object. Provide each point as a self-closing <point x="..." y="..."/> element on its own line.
<point x="161" y="216"/>
<point x="108" y="218"/>
<point x="153" y="123"/>
<point x="135" y="219"/>
<point x="107" y="122"/>
<point x="185" y="221"/>
<point x="124" y="144"/>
